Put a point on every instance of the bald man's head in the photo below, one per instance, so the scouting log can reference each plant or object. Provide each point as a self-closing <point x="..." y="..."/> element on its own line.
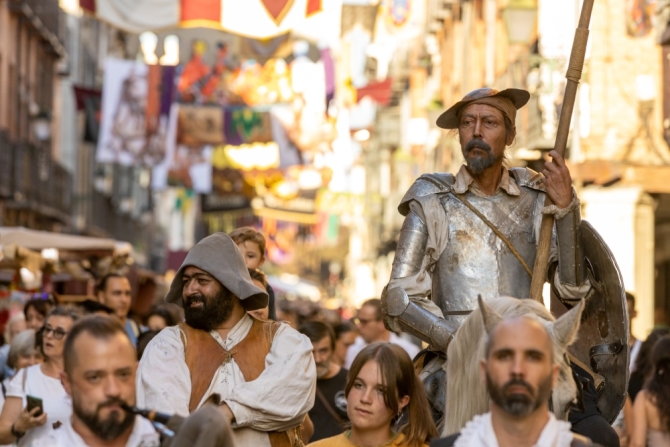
<point x="528" y="325"/>
<point x="519" y="368"/>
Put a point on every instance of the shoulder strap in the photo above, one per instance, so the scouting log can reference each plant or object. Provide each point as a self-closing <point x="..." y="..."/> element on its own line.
<point x="329" y="407"/>
<point x="495" y="229"/>
<point x="23" y="381"/>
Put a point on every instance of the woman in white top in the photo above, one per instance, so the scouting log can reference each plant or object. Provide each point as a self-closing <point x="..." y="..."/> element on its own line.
<point x="651" y="410"/>
<point x="22" y="354"/>
<point x="41" y="381"/>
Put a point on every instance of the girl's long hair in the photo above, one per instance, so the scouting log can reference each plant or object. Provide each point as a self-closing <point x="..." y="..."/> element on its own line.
<point x="399" y="380"/>
<point x="643" y="363"/>
<point x="658" y="383"/>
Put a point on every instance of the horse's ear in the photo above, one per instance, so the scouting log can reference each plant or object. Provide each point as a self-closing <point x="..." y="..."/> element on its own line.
<point x="565" y="328"/>
<point x="490" y="316"/>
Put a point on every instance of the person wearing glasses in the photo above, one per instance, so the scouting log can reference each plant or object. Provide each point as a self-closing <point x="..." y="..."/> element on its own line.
<point x="42" y="381"/>
<point x="371" y="327"/>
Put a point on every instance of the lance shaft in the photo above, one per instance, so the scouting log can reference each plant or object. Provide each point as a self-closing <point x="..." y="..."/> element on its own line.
<point x="573" y="76"/>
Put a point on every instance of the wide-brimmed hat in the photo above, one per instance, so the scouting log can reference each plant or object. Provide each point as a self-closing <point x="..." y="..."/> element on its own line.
<point x="508" y="101"/>
<point x="219" y="256"/>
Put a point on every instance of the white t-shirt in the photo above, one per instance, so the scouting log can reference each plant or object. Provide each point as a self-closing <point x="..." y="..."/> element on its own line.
<point x="143" y="435"/>
<point x="57" y="404"/>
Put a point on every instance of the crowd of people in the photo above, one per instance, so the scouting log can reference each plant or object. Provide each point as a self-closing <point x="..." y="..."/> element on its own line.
<point x="228" y="373"/>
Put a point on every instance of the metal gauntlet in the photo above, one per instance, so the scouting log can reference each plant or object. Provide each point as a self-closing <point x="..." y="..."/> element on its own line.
<point x="416" y="320"/>
<point x="571" y="265"/>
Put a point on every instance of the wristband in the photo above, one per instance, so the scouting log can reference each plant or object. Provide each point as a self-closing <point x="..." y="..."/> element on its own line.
<point x="16" y="433"/>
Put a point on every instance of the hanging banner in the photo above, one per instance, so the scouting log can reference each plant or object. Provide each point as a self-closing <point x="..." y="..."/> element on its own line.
<point x="639" y="15"/>
<point x="186" y="165"/>
<point x="259" y="19"/>
<point x="198" y="125"/>
<point x="134" y="113"/>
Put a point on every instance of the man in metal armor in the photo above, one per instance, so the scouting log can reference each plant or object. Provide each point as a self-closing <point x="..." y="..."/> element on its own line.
<point x="476" y="233"/>
<point x="450" y="248"/>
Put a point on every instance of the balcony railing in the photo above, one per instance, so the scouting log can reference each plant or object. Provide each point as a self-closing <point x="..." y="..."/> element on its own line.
<point x="107" y="218"/>
<point x="31" y="179"/>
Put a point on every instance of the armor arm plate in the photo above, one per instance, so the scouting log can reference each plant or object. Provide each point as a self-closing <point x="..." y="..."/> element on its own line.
<point x="411" y="247"/>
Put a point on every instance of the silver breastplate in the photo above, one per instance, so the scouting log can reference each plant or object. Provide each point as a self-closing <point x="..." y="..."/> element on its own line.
<point x="476" y="261"/>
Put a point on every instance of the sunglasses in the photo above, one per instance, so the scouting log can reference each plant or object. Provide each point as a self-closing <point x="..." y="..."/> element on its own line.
<point x="362" y="322"/>
<point x="58" y="332"/>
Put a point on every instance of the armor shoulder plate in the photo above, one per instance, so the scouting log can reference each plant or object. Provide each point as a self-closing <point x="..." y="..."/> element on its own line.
<point x="425" y="185"/>
<point x="528" y="178"/>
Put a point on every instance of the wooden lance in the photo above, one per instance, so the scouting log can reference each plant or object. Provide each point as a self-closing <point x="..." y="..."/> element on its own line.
<point x="573" y="76"/>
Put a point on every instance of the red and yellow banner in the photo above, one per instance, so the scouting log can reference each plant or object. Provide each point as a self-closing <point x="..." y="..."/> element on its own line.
<point x="259" y="19"/>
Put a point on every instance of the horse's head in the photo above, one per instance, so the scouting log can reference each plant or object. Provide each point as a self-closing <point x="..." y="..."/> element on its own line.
<point x="562" y="331"/>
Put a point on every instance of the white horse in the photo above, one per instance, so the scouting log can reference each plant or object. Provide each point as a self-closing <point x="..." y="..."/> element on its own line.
<point x="466" y="395"/>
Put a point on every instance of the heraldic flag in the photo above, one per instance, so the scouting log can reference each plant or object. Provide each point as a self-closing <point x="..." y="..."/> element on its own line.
<point x="259" y="19"/>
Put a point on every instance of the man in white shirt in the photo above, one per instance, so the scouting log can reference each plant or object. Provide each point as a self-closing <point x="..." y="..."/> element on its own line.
<point x="263" y="371"/>
<point x="371" y="327"/>
<point x="520" y="371"/>
<point x="100" y="363"/>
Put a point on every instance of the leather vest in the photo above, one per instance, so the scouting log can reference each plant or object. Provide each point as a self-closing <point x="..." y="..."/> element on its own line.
<point x="204" y="355"/>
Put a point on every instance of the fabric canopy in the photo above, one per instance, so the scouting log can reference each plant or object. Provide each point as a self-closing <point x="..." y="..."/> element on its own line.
<point x="259" y="19"/>
<point x="39" y="240"/>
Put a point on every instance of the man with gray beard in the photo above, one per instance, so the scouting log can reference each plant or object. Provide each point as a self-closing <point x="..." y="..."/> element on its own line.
<point x="520" y="372"/>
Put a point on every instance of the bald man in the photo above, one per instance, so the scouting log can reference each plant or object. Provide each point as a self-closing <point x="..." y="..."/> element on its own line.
<point x="520" y="372"/>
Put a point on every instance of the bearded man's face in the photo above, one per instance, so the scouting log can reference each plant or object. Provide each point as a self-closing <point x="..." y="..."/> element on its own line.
<point x="518" y="397"/>
<point x="519" y="369"/>
<point x="100" y="377"/>
<point x="207" y="304"/>
<point x="483" y="136"/>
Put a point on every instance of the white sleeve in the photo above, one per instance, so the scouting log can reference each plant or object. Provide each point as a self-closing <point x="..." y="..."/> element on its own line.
<point x="15" y="387"/>
<point x="284" y="392"/>
<point x="163" y="379"/>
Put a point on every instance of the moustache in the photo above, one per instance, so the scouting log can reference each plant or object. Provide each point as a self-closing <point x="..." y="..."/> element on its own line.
<point x="195" y="298"/>
<point x="113" y="401"/>
<point x="477" y="143"/>
<point x="518" y="382"/>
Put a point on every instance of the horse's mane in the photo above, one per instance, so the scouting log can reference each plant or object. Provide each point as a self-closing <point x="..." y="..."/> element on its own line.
<point x="466" y="395"/>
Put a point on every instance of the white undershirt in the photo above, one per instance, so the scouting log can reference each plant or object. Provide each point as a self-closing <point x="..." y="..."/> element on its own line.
<point x="143" y="435"/>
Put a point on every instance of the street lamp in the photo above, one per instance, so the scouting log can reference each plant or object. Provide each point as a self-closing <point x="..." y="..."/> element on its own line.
<point x="41" y="125"/>
<point x="520" y="17"/>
